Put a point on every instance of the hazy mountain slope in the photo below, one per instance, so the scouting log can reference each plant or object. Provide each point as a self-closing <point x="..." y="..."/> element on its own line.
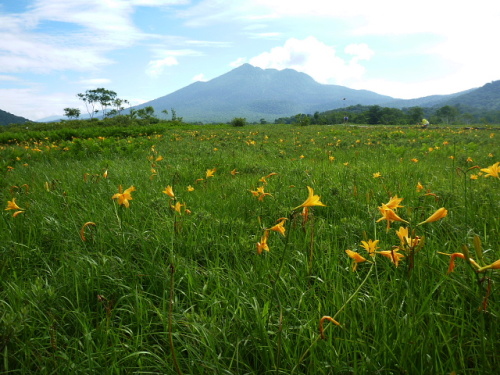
<point x="486" y="97"/>
<point x="7" y="118"/>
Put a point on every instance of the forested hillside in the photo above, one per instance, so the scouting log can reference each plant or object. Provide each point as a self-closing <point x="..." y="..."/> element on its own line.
<point x="8" y="118"/>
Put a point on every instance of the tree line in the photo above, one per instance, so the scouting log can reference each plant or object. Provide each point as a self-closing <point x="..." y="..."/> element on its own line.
<point x="377" y="115"/>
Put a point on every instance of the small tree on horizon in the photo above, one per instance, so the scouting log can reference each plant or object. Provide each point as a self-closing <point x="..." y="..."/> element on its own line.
<point x="72" y="113"/>
<point x="238" y="121"/>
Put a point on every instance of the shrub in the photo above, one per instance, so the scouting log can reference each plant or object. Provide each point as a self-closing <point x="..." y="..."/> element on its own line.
<point x="238" y="121"/>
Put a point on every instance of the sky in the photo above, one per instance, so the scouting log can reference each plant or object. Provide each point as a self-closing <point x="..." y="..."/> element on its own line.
<point x="51" y="50"/>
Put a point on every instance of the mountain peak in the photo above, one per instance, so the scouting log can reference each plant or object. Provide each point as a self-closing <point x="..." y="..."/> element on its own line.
<point x="256" y="93"/>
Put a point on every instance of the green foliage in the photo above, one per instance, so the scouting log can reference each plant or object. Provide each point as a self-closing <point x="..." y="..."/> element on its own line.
<point x="72" y="113"/>
<point x="377" y="115"/>
<point x="238" y="122"/>
<point x="103" y="97"/>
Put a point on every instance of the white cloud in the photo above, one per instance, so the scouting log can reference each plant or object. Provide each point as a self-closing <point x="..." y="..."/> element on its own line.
<point x="200" y="77"/>
<point x="6" y="78"/>
<point x="26" y="102"/>
<point x="315" y="58"/>
<point x="156" y="67"/>
<point x="95" y="28"/>
<point x="93" y="82"/>
<point x="239" y="61"/>
<point x="359" y="51"/>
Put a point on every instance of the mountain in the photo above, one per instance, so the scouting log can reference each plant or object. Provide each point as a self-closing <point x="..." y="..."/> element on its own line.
<point x="7" y="118"/>
<point x="426" y="101"/>
<point x="256" y="93"/>
<point x="486" y="98"/>
<point x="52" y="118"/>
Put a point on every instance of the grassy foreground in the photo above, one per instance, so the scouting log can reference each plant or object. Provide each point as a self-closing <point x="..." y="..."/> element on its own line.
<point x="193" y="280"/>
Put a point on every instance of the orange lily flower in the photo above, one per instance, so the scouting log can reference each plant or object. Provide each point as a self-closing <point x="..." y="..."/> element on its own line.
<point x="492" y="170"/>
<point x="210" y="172"/>
<point x="389" y="215"/>
<point x="439" y="214"/>
<point x="405" y="239"/>
<point x="394" y="202"/>
<point x="262" y="245"/>
<point x="124" y="197"/>
<point x="169" y="191"/>
<point x="356" y="257"/>
<point x="492" y="266"/>
<point x="370" y="246"/>
<point x="12" y="205"/>
<point x="312" y="200"/>
<point x="260" y="193"/>
<point x="177" y="207"/>
<point x="393" y="255"/>
<point x="280" y="226"/>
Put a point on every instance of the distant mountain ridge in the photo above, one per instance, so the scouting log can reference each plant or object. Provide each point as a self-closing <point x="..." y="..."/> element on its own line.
<point x="256" y="93"/>
<point x="7" y="118"/>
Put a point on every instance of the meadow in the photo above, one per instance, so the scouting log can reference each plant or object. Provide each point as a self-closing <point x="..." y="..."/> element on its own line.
<point x="220" y="250"/>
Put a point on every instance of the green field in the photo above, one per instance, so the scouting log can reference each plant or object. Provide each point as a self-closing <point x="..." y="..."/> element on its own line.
<point x="181" y="280"/>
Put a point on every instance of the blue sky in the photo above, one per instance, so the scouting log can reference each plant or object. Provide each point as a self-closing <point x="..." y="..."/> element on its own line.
<point x="50" y="50"/>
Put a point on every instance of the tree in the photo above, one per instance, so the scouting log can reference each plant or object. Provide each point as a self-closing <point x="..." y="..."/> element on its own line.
<point x="72" y="113"/>
<point x="101" y="96"/>
<point x="374" y="115"/>
<point x="415" y="115"/>
<point x="238" y="121"/>
<point x="302" y="119"/>
<point x="146" y="113"/>
<point x="447" y="113"/>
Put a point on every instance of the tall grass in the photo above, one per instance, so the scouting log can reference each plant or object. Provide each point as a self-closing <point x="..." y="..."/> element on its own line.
<point x="152" y="290"/>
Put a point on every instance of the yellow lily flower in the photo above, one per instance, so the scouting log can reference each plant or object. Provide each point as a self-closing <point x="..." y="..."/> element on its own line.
<point x="262" y="245"/>
<point x="177" y="207"/>
<point x="370" y="246"/>
<point x="492" y="266"/>
<point x="389" y="215"/>
<point x="312" y="200"/>
<point x="438" y="215"/>
<point x="393" y="255"/>
<point x="394" y="203"/>
<point x="259" y="193"/>
<point x="210" y="172"/>
<point x="12" y="205"/>
<point x="190" y="188"/>
<point x="356" y="257"/>
<point x="169" y="191"/>
<point x="280" y="226"/>
<point x="124" y="197"/>
<point x="492" y="170"/>
<point x="420" y="187"/>
<point x="377" y="175"/>
<point x="405" y="239"/>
